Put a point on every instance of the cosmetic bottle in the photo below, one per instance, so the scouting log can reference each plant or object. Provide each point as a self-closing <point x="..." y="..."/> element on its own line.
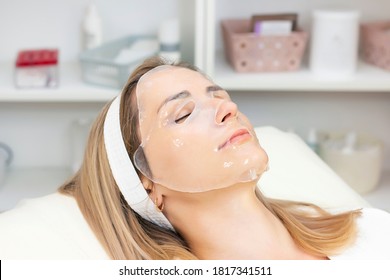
<point x="6" y="156"/>
<point x="169" y="40"/>
<point x="312" y="140"/>
<point x="92" y="27"/>
<point x="350" y="143"/>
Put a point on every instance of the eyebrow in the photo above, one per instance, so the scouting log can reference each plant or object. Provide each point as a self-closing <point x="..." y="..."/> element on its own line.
<point x="213" y="88"/>
<point x="182" y="94"/>
<point x="186" y="93"/>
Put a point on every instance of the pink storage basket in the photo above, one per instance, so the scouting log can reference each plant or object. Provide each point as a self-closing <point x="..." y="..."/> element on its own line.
<point x="250" y="52"/>
<point x="375" y="43"/>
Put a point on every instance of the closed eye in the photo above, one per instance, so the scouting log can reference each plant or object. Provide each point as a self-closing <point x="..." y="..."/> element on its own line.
<point x="182" y="118"/>
<point x="184" y="112"/>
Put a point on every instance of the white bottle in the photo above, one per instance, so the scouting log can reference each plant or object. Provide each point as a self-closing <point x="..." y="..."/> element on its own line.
<point x="92" y="27"/>
<point x="350" y="143"/>
<point x="169" y="39"/>
<point x="312" y="140"/>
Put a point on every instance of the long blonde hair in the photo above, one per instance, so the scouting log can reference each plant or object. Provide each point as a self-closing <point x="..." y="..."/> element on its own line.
<point x="126" y="235"/>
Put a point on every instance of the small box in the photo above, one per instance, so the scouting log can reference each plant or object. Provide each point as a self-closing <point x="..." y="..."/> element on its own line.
<point x="375" y="43"/>
<point x="37" y="68"/>
<point x="250" y="52"/>
<point x="258" y="20"/>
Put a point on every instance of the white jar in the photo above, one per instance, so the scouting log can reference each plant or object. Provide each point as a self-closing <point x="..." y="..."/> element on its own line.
<point x="92" y="27"/>
<point x="356" y="158"/>
<point x="334" y="42"/>
<point x="169" y="39"/>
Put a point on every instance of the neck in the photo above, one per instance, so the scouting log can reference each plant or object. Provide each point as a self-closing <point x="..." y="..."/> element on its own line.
<point x="231" y="223"/>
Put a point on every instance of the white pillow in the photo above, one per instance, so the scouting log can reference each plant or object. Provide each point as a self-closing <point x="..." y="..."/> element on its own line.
<point x="297" y="173"/>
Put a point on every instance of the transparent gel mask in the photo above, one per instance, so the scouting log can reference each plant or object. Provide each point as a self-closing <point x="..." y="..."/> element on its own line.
<point x="193" y="137"/>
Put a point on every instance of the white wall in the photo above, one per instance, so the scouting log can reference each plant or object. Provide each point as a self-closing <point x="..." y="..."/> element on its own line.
<point x="40" y="133"/>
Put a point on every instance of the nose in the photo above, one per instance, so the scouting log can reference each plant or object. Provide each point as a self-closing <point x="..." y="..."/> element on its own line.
<point x="226" y="111"/>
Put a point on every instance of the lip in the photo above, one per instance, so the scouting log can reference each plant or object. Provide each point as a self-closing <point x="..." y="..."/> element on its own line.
<point x="239" y="136"/>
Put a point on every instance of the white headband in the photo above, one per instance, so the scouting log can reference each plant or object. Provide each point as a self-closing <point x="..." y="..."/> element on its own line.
<point x="124" y="172"/>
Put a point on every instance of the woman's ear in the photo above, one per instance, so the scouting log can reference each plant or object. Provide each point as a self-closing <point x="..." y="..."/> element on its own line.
<point x="148" y="185"/>
<point x="154" y="195"/>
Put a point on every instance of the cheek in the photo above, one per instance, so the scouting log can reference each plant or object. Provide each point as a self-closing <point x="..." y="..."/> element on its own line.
<point x="179" y="147"/>
<point x="162" y="145"/>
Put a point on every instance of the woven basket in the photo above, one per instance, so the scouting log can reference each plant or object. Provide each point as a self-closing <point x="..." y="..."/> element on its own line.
<point x="250" y="52"/>
<point x="375" y="43"/>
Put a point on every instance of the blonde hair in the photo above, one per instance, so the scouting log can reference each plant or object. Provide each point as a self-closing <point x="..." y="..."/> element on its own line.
<point x="126" y="235"/>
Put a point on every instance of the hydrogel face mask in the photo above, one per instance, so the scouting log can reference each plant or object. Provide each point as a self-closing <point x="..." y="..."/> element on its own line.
<point x="193" y="137"/>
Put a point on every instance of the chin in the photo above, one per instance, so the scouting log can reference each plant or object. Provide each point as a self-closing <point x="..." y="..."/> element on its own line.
<point x="258" y="163"/>
<point x="261" y="157"/>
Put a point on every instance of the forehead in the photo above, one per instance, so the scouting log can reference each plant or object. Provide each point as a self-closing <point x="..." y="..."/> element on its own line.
<point x="168" y="79"/>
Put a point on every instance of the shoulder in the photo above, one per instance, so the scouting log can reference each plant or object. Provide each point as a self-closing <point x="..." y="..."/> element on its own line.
<point x="49" y="227"/>
<point x="373" y="236"/>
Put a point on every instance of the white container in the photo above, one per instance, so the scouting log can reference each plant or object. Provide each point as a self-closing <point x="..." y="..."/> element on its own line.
<point x="92" y="28"/>
<point x="169" y="39"/>
<point x="334" y="43"/>
<point x="355" y="158"/>
<point x="5" y="160"/>
<point x="37" y="68"/>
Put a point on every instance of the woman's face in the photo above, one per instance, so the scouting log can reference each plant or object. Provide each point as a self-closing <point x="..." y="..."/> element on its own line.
<point x="193" y="137"/>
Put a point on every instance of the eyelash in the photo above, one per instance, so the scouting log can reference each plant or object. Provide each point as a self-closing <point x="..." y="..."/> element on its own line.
<point x="182" y="118"/>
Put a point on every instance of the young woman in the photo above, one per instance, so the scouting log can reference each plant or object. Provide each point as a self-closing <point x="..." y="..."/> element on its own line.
<point x="170" y="172"/>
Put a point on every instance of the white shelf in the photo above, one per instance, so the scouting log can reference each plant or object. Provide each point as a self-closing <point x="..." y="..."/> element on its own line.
<point x="367" y="78"/>
<point x="29" y="183"/>
<point x="71" y="87"/>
